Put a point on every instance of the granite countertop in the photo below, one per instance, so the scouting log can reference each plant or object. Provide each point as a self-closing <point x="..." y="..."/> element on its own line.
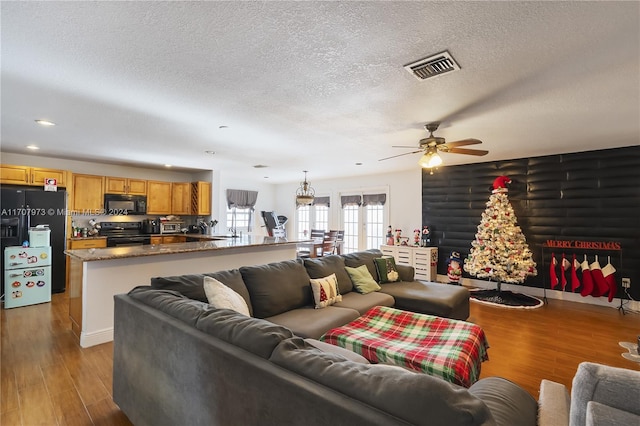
<point x="208" y="243"/>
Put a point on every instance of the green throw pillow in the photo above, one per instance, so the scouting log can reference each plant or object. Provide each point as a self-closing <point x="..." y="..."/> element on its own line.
<point x="362" y="279"/>
<point x="387" y="270"/>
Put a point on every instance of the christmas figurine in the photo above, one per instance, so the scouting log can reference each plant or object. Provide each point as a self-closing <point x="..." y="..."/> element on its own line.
<point x="426" y="236"/>
<point x="398" y="236"/>
<point x="454" y="270"/>
<point x="416" y="237"/>
<point x="390" y="240"/>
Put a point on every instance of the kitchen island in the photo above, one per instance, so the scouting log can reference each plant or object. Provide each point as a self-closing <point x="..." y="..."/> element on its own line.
<point x="97" y="274"/>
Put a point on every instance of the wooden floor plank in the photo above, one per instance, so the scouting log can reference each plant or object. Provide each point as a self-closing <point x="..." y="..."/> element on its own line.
<point x="35" y="406"/>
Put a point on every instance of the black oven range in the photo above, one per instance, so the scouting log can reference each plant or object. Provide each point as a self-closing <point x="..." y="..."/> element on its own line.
<point x="122" y="234"/>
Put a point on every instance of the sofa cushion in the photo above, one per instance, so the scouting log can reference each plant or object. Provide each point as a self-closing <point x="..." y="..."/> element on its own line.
<point x="353" y="260"/>
<point x="325" y="291"/>
<point x="604" y="415"/>
<point x="410" y="396"/>
<point x="313" y="323"/>
<point x="221" y="296"/>
<point x="171" y="303"/>
<point x="327" y="265"/>
<point x="509" y="403"/>
<point x="338" y="350"/>
<point x="387" y="271"/>
<point x="443" y="300"/>
<point x="191" y="285"/>
<point x="277" y="287"/>
<point x="255" y="335"/>
<point x="362" y="280"/>
<point x="363" y="302"/>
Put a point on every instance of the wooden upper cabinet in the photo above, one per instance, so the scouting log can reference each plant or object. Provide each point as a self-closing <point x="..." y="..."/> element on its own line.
<point x="158" y="197"/>
<point x="23" y="175"/>
<point x="87" y="192"/>
<point x="181" y="198"/>
<point x="201" y="198"/>
<point x="119" y="185"/>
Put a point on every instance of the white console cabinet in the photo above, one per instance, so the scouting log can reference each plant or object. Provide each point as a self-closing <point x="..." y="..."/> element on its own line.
<point x="423" y="259"/>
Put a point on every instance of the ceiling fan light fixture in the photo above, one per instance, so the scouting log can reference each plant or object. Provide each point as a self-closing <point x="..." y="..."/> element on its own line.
<point x="305" y="194"/>
<point x="430" y="160"/>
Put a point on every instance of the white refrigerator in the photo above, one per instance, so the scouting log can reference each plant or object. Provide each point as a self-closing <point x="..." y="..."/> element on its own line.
<point x="27" y="276"/>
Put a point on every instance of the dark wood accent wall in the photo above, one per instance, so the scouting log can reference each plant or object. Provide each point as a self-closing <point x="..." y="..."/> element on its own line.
<point x="588" y="196"/>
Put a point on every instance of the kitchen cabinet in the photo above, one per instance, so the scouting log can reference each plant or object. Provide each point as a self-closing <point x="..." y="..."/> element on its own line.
<point x="120" y="185"/>
<point x="158" y="197"/>
<point x="88" y="243"/>
<point x="88" y="194"/>
<point x="181" y="198"/>
<point x="75" y="313"/>
<point x="23" y="175"/>
<point x="423" y="259"/>
<point x="169" y="239"/>
<point x="201" y="198"/>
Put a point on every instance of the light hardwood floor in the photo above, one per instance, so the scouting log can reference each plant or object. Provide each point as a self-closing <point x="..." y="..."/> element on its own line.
<point x="46" y="378"/>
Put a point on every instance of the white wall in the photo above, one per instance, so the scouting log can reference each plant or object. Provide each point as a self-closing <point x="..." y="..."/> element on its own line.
<point x="404" y="189"/>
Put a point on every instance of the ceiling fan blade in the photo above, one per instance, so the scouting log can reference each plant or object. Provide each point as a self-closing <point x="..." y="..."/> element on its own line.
<point x="463" y="142"/>
<point x="478" y="152"/>
<point x="400" y="155"/>
<point x="403" y="146"/>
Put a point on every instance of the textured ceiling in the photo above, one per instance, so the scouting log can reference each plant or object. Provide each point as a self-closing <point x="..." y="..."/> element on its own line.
<point x="315" y="86"/>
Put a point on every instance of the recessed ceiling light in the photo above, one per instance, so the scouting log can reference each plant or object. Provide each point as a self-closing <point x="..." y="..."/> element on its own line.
<point x="33" y="147"/>
<point x="358" y="164"/>
<point x="210" y="152"/>
<point x="168" y="165"/>
<point x="45" y="123"/>
<point x="223" y="127"/>
<point x="260" y="166"/>
<point x="266" y="177"/>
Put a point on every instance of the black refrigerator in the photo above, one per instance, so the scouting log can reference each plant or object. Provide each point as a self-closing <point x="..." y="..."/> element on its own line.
<point x="25" y="207"/>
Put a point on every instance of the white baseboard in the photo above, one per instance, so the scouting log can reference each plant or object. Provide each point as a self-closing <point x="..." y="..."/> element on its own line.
<point x="551" y="294"/>
<point x="96" y="338"/>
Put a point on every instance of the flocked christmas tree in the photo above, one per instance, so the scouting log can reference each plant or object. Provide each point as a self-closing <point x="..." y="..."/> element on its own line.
<point x="500" y="251"/>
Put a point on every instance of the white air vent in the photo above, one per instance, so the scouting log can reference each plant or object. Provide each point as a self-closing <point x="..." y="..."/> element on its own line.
<point x="433" y="66"/>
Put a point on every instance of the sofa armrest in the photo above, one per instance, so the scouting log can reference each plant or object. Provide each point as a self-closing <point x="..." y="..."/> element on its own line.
<point x="615" y="387"/>
<point x="553" y="404"/>
<point x="406" y="272"/>
<point x="509" y="404"/>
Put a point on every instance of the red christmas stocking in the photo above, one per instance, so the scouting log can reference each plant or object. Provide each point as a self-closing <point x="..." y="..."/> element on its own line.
<point x="587" y="279"/>
<point x="609" y="277"/>
<point x="565" y="265"/>
<point x="600" y="287"/>
<point x="552" y="271"/>
<point x="575" y="282"/>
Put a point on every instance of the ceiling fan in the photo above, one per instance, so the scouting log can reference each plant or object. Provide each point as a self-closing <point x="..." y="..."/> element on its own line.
<point x="432" y="144"/>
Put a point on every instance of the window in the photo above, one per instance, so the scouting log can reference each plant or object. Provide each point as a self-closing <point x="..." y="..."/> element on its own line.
<point x="241" y="220"/>
<point x="314" y="216"/>
<point x="363" y="218"/>
<point x="302" y="220"/>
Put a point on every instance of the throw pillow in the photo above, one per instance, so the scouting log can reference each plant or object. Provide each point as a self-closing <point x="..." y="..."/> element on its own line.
<point x="221" y="296"/>
<point x="325" y="291"/>
<point x="387" y="270"/>
<point x="362" y="279"/>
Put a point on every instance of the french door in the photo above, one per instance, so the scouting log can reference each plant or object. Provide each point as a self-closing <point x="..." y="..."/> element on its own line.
<point x="363" y="220"/>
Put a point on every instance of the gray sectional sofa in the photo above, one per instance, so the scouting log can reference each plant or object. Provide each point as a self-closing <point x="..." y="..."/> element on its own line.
<point x="178" y="360"/>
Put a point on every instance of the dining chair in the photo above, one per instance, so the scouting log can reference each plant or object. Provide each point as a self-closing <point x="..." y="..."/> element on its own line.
<point x="328" y="246"/>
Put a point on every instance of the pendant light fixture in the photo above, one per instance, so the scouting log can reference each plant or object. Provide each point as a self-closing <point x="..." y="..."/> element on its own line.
<point x="305" y="194"/>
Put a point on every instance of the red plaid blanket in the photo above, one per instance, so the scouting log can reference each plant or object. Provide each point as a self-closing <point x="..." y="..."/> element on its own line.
<point x="437" y="346"/>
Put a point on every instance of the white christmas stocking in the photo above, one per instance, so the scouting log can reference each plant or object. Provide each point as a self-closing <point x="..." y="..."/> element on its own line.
<point x="609" y="277"/>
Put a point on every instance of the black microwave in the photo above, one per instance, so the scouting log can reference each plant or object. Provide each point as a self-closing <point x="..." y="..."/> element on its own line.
<point x="121" y="204"/>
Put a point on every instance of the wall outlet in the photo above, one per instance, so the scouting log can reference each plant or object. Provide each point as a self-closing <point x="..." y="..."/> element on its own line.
<point x="626" y="282"/>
